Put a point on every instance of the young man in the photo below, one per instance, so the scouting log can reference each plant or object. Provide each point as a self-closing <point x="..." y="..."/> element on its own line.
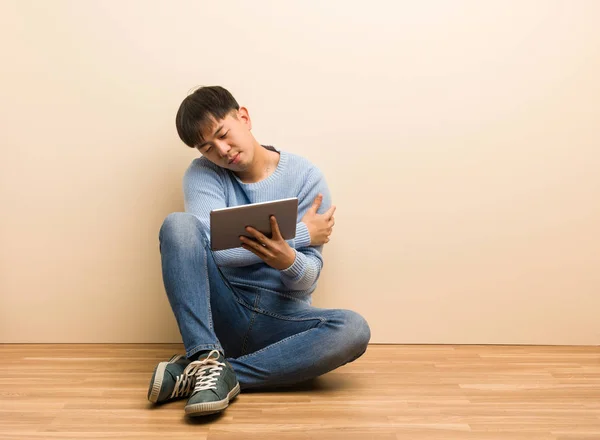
<point x="245" y="314"/>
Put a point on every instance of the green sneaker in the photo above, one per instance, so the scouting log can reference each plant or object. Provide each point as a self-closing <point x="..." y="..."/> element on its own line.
<point x="168" y="381"/>
<point x="216" y="384"/>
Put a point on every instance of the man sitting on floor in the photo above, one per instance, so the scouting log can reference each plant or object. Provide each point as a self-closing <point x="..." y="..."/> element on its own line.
<point x="245" y="314"/>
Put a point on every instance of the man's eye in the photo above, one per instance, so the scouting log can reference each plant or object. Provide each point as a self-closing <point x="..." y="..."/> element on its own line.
<point x="207" y="149"/>
<point x="223" y="135"/>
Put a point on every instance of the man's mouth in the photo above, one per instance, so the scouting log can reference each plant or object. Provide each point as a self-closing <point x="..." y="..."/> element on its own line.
<point x="235" y="159"/>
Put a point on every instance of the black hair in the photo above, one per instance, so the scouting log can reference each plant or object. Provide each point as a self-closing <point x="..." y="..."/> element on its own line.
<point x="199" y="109"/>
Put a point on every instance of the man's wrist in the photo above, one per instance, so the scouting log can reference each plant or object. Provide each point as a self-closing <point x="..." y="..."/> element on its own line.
<point x="292" y="259"/>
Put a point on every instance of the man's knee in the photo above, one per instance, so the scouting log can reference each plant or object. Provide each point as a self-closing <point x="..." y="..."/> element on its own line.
<point x="353" y="336"/>
<point x="357" y="328"/>
<point x="182" y="228"/>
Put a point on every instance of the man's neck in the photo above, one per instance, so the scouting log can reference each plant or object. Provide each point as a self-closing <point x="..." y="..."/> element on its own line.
<point x="264" y="164"/>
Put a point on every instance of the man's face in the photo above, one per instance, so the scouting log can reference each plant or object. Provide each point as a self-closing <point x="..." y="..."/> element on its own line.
<point x="229" y="143"/>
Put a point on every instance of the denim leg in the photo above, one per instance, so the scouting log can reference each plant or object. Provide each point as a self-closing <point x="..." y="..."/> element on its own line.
<point x="315" y="341"/>
<point x="269" y="338"/>
<point x="196" y="289"/>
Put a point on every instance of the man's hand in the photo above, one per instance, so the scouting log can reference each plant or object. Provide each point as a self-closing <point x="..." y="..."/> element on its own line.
<point x="275" y="251"/>
<point x="319" y="226"/>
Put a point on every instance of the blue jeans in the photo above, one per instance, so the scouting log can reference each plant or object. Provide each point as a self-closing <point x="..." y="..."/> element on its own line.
<point x="270" y="339"/>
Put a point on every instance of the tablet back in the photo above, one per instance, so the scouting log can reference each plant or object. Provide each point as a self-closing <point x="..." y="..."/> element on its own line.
<point x="227" y="224"/>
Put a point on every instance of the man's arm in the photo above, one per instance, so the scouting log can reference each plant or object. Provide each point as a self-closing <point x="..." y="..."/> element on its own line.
<point x="203" y="191"/>
<point x="299" y="268"/>
<point x="239" y="257"/>
<point x="306" y="269"/>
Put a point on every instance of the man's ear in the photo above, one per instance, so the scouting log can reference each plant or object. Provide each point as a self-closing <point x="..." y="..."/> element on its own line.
<point x="244" y="117"/>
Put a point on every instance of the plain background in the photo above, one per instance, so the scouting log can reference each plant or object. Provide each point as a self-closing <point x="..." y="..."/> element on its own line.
<point x="459" y="138"/>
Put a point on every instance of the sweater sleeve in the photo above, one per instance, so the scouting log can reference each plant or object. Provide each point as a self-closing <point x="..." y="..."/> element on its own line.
<point x="306" y="269"/>
<point x="204" y="190"/>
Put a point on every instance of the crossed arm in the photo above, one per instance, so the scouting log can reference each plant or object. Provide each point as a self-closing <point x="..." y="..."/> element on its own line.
<point x="299" y="260"/>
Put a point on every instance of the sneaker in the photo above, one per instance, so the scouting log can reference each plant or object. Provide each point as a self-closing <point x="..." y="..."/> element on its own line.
<point x="168" y="381"/>
<point x="216" y="384"/>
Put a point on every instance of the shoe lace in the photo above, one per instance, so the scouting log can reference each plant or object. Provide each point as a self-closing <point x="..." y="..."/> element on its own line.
<point x="183" y="385"/>
<point x="206" y="371"/>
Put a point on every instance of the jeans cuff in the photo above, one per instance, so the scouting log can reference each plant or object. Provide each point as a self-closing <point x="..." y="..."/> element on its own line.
<point x="192" y="351"/>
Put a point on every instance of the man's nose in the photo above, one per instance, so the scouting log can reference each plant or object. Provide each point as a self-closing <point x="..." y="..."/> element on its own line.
<point x="222" y="148"/>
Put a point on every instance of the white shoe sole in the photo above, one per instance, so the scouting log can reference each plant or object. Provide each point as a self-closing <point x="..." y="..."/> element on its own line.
<point x="206" y="408"/>
<point x="158" y="378"/>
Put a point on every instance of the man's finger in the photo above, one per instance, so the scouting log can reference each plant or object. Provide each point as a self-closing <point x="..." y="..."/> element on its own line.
<point x="317" y="203"/>
<point x="251" y="249"/>
<point x="330" y="212"/>
<point x="253" y="246"/>
<point x="259" y="236"/>
<point x="254" y="251"/>
<point x="276" y="233"/>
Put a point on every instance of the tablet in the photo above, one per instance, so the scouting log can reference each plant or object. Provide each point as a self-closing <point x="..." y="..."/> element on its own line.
<point x="227" y="224"/>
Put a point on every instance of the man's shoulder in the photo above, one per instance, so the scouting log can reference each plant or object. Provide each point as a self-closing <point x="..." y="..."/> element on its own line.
<point x="202" y="171"/>
<point x="297" y="161"/>
<point x="201" y="165"/>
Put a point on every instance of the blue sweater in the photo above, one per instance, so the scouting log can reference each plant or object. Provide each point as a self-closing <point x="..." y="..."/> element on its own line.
<point x="207" y="186"/>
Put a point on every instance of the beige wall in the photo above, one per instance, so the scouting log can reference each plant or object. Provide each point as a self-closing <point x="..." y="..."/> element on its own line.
<point x="460" y="140"/>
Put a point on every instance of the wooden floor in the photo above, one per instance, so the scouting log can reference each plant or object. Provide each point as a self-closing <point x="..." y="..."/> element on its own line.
<point x="392" y="392"/>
